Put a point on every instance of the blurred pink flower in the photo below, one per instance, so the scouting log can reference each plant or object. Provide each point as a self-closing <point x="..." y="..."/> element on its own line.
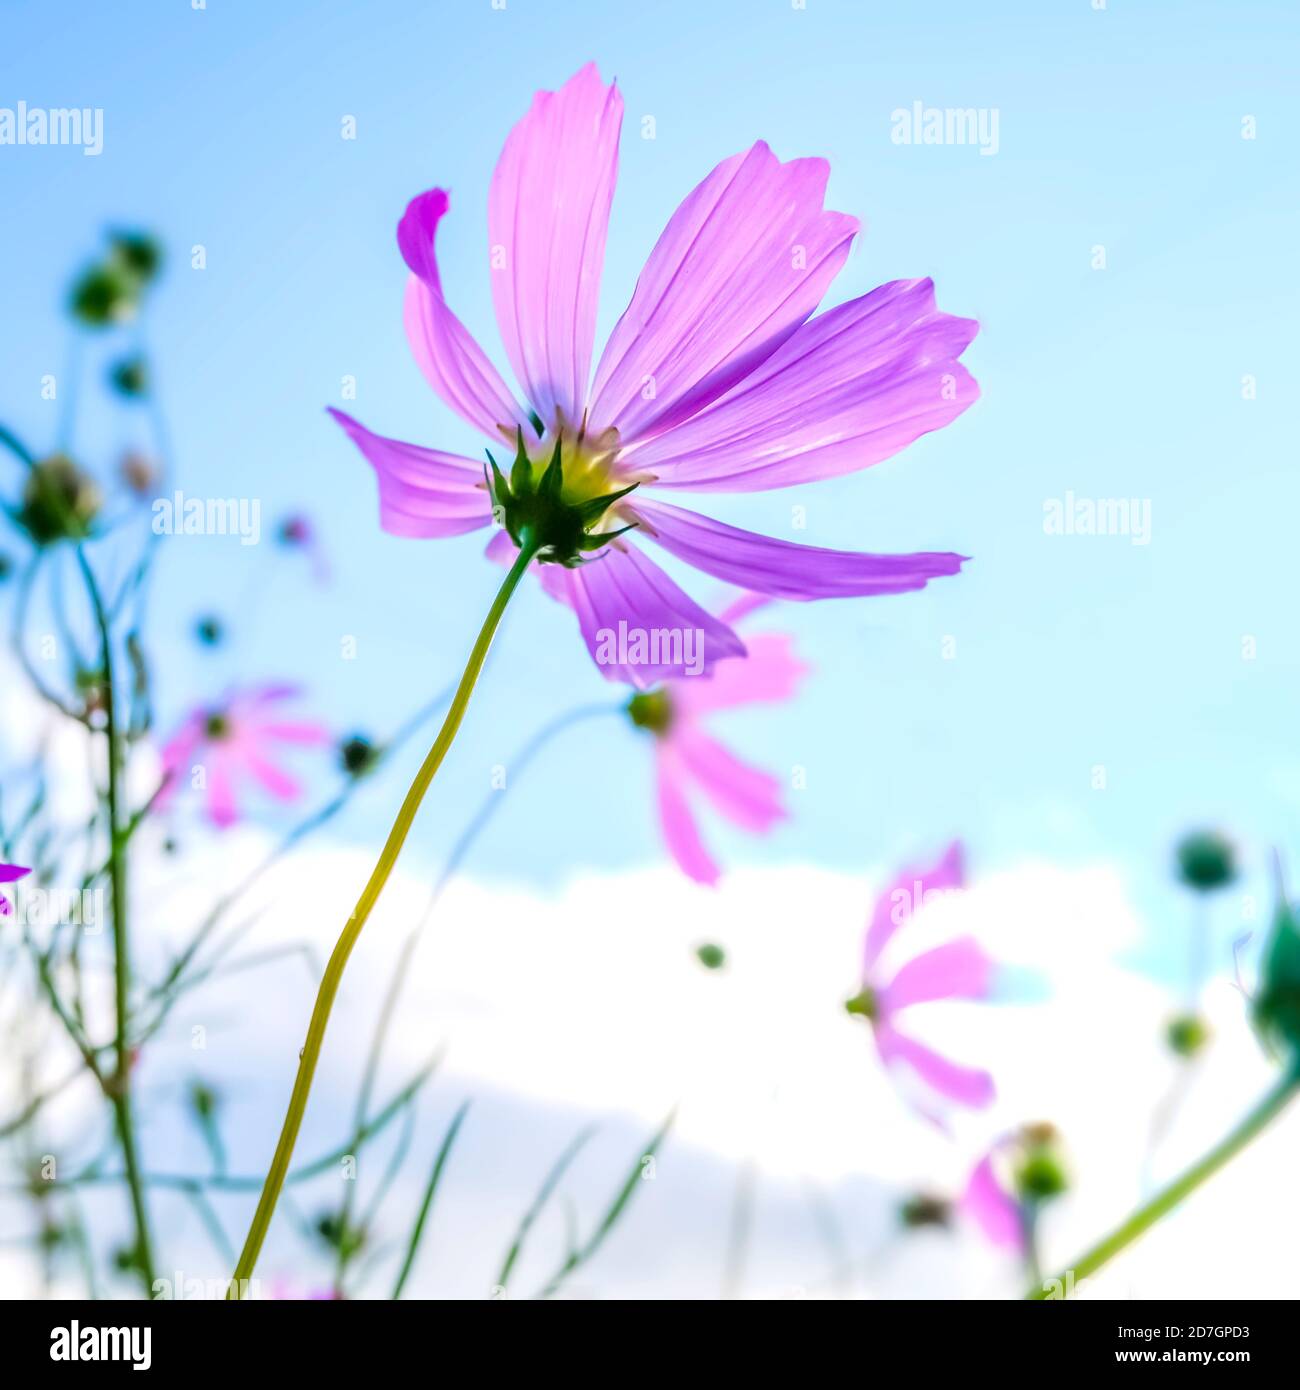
<point x="955" y="970"/>
<point x="716" y="378"/>
<point x="236" y="741"/>
<point x="296" y="532"/>
<point x="990" y="1202"/>
<point x="689" y="759"/>
<point x="10" y="873"/>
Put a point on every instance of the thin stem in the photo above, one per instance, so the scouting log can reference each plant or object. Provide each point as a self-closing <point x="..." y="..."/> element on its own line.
<point x="352" y="930"/>
<point x="1166" y="1200"/>
<point x="119" y="1085"/>
<point x="401" y="969"/>
<point x="417" y="1231"/>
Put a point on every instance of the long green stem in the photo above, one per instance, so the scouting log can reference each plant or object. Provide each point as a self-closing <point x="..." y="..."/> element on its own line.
<point x="401" y="969"/>
<point x="119" y="1084"/>
<point x="1166" y="1200"/>
<point x="348" y="939"/>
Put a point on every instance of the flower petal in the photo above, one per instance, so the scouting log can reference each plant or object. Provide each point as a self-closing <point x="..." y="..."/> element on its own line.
<point x="548" y="211"/>
<point x="747" y="796"/>
<point x="422" y="492"/>
<point x="782" y="568"/>
<point x="741" y="264"/>
<point x="639" y="626"/>
<point x="223" y="810"/>
<point x="295" y="731"/>
<point x="769" y="674"/>
<point x="445" y="350"/>
<point x="965" y="1085"/>
<point x="896" y="904"/>
<point x="992" y="1208"/>
<point x="11" y="873"/>
<point x="852" y="387"/>
<point x="956" y="970"/>
<point x="680" y="831"/>
<point x="276" y="781"/>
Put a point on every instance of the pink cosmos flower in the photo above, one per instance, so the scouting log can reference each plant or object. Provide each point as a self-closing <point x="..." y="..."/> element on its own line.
<point x="715" y="379"/>
<point x="236" y="741"/>
<point x="688" y="759"/>
<point x="10" y="873"/>
<point x="956" y="970"/>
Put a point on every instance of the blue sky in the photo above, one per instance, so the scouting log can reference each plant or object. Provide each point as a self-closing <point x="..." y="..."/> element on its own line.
<point x="1119" y="128"/>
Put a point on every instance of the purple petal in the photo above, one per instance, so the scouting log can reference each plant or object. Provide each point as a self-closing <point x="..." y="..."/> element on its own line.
<point x="853" y="386"/>
<point x="452" y="362"/>
<point x="548" y="211"/>
<point x="769" y="674"/>
<point x="907" y="892"/>
<point x="741" y="264"/>
<point x="276" y="781"/>
<point x="223" y="810"/>
<point x="992" y="1208"/>
<point x="956" y="970"/>
<point x="747" y="796"/>
<point x="11" y="873"/>
<point x="782" y="568"/>
<point x="965" y="1085"/>
<point x="295" y="731"/>
<point x="422" y="492"/>
<point x="625" y="602"/>
<point x="680" y="832"/>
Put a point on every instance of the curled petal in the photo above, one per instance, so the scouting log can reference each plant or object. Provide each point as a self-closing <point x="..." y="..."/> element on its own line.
<point x="966" y="1086"/>
<point x="639" y="626"/>
<point x="422" y="492"/>
<point x="907" y="892"/>
<point x="548" y="211"/>
<point x="782" y="568"/>
<point x="956" y="970"/>
<point x="992" y="1208"/>
<point x="445" y="350"/>
<point x="741" y="264"/>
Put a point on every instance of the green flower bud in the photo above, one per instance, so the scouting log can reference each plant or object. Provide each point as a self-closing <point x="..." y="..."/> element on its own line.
<point x="60" y="502"/>
<point x="136" y="253"/>
<point x="1039" y="1171"/>
<point x="130" y="377"/>
<point x="711" y="956"/>
<point x="358" y="754"/>
<point x="1187" y="1035"/>
<point x="1206" y="860"/>
<point x="104" y="295"/>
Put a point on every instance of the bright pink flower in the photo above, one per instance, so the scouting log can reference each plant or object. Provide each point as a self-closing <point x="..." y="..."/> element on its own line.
<point x="234" y="741"/>
<point x="956" y="970"/>
<point x="10" y="873"/>
<point x="716" y="378"/>
<point x="688" y="759"/>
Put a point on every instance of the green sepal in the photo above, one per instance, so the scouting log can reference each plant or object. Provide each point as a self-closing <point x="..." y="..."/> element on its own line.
<point x="553" y="479"/>
<point x="521" y="473"/>
<point x="591" y="512"/>
<point x="589" y="543"/>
